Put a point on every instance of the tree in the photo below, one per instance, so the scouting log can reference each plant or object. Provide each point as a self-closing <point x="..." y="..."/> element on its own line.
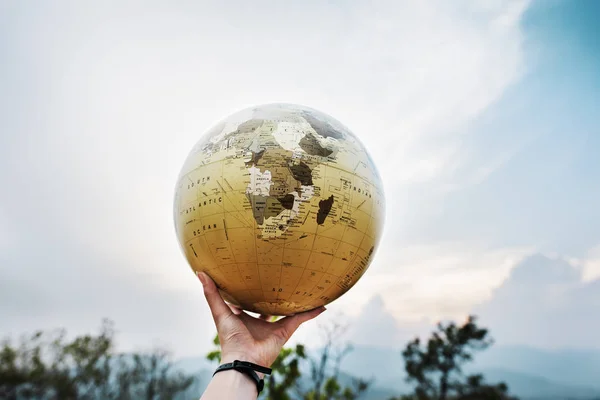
<point x="436" y="367"/>
<point x="150" y="376"/>
<point x="325" y="370"/>
<point x="46" y="365"/>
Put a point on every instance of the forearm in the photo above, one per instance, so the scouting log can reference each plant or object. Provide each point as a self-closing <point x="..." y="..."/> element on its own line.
<point x="230" y="385"/>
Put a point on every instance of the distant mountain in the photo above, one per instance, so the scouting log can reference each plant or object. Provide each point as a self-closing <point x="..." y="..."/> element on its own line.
<point x="531" y="374"/>
<point x="384" y="365"/>
<point x="374" y="392"/>
<point x="572" y="367"/>
<point x="532" y="387"/>
<point x="191" y="365"/>
<point x="203" y="376"/>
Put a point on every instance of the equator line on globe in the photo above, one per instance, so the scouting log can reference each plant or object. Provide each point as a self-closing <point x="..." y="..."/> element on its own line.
<point x="282" y="206"/>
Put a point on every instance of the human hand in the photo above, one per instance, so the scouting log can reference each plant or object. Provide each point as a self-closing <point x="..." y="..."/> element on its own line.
<point x="245" y="338"/>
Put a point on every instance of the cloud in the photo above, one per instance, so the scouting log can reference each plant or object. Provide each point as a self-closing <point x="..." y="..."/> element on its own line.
<point x="419" y="282"/>
<point x="103" y="105"/>
<point x="55" y="286"/>
<point x="545" y="302"/>
<point x="370" y="324"/>
<point x="590" y="265"/>
<point x="376" y="326"/>
<point x="6" y="238"/>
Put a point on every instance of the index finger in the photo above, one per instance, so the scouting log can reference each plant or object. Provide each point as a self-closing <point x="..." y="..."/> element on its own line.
<point x="217" y="305"/>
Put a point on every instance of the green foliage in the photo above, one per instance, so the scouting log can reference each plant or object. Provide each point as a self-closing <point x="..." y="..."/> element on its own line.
<point x="286" y="370"/>
<point x="436" y="366"/>
<point x="150" y="376"/>
<point x="332" y="390"/>
<point x="325" y="370"/>
<point x="46" y="365"/>
<point x="215" y="355"/>
<point x="286" y="383"/>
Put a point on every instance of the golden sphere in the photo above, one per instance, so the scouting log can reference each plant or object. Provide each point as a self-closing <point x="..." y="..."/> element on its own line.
<point x="282" y="206"/>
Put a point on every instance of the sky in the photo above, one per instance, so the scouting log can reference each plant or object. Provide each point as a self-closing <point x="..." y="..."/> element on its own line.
<point x="482" y="117"/>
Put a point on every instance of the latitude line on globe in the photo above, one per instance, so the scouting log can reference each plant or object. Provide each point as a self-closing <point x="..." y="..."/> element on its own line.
<point x="332" y="166"/>
<point x="277" y="245"/>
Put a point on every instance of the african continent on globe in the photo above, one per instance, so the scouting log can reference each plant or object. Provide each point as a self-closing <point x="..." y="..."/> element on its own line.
<point x="281" y="206"/>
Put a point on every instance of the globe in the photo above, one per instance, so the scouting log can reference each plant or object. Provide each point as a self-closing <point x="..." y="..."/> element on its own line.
<point x="282" y="206"/>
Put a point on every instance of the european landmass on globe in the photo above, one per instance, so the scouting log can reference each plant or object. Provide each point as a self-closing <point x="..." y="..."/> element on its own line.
<point x="282" y="206"/>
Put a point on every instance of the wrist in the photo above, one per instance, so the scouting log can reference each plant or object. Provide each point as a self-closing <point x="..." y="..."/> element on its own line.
<point x="231" y="357"/>
<point x="230" y="385"/>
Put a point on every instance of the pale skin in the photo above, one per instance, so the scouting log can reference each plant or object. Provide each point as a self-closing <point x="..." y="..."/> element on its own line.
<point x="245" y="338"/>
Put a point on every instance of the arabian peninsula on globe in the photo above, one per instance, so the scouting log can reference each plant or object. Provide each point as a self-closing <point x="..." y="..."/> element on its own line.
<point x="281" y="206"/>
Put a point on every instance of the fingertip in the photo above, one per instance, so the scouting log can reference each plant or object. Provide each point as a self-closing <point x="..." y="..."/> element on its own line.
<point x="202" y="277"/>
<point x="207" y="282"/>
<point x="318" y="311"/>
<point x="234" y="309"/>
<point x="311" y="314"/>
<point x="218" y="307"/>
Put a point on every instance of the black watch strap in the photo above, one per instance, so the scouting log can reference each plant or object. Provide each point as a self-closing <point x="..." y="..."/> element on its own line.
<point x="247" y="368"/>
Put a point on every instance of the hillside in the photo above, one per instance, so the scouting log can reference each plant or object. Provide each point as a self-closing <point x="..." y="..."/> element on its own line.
<point x="532" y="374"/>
